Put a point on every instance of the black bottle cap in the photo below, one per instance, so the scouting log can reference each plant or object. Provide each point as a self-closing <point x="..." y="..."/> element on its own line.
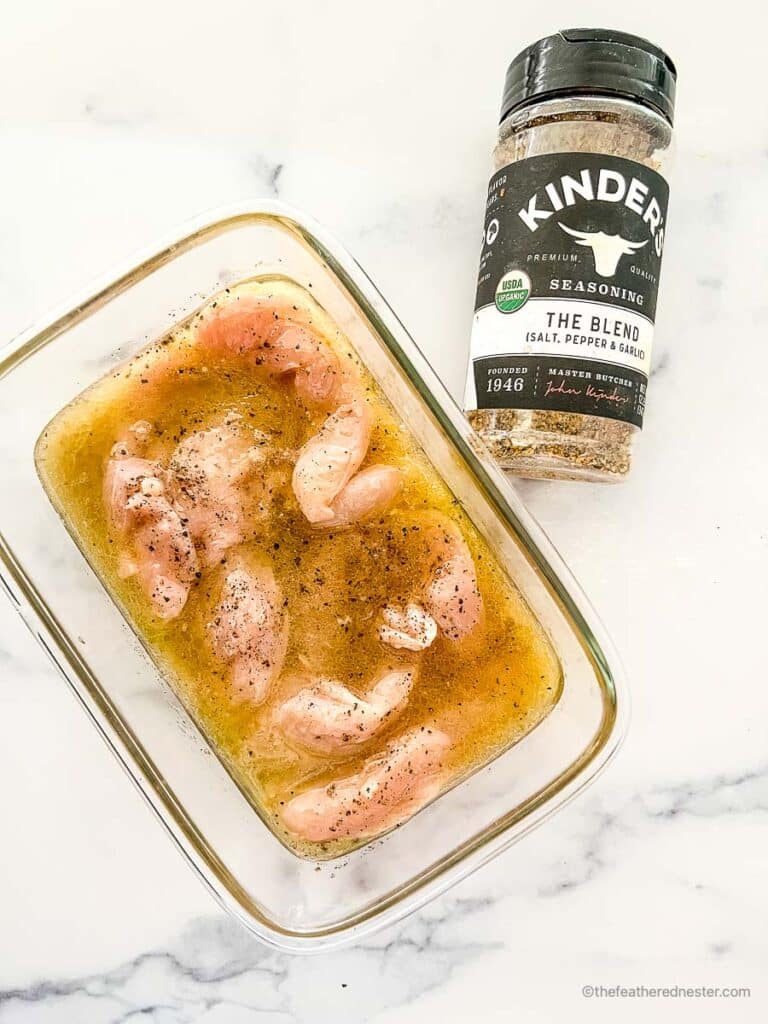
<point x="591" y="60"/>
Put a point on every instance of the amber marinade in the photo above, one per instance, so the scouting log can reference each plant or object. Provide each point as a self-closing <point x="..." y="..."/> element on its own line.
<point x="485" y="693"/>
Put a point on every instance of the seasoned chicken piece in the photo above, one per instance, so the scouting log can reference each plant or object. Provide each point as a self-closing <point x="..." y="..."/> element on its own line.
<point x="367" y="493"/>
<point x="250" y="630"/>
<point x="316" y="368"/>
<point x="156" y="546"/>
<point x="410" y="629"/>
<point x="328" y="717"/>
<point x="389" y="788"/>
<point x="164" y="558"/>
<point x="243" y="326"/>
<point x="452" y="595"/>
<point x="123" y="478"/>
<point x="329" y="460"/>
<point x="277" y="336"/>
<point x="219" y="486"/>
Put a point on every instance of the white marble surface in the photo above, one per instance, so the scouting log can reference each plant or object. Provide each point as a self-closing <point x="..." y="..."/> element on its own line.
<point x="121" y="120"/>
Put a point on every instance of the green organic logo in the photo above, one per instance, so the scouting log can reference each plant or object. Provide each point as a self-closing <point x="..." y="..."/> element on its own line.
<point x="512" y="291"/>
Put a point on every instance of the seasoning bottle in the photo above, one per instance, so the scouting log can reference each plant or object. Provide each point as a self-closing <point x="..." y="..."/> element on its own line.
<point x="572" y="246"/>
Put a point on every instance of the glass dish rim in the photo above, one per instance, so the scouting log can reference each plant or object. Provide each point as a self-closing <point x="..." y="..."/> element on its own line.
<point x="469" y="855"/>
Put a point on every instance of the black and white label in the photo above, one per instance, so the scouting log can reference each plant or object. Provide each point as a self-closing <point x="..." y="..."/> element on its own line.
<point x="566" y="296"/>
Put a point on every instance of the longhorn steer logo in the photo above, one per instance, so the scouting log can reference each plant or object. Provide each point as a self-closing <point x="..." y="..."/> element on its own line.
<point x="606" y="249"/>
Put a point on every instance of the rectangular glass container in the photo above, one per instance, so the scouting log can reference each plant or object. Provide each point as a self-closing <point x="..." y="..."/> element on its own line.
<point x="295" y="904"/>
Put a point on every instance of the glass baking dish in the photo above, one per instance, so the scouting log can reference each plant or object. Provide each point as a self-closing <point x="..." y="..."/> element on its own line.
<point x="294" y="904"/>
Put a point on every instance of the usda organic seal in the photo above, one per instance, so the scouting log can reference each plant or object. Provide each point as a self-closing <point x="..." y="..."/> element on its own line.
<point x="512" y="291"/>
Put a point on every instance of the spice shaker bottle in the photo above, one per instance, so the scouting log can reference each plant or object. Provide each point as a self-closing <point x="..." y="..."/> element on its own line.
<point x="572" y="246"/>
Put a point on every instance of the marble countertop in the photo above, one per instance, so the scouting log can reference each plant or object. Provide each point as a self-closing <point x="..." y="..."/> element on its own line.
<point x="121" y="121"/>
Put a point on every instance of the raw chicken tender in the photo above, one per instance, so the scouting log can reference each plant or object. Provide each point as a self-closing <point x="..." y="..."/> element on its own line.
<point x="390" y="788"/>
<point x="277" y="336"/>
<point x="452" y="596"/>
<point x="317" y="372"/>
<point x="328" y="717"/>
<point x="249" y="630"/>
<point x="368" y="492"/>
<point x="219" y="482"/>
<point x="244" y="326"/>
<point x="411" y="629"/>
<point x="157" y="549"/>
<point x="329" y="460"/>
<point x="123" y="478"/>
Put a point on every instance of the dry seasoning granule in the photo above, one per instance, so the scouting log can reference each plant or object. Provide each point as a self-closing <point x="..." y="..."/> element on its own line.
<point x="547" y="441"/>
